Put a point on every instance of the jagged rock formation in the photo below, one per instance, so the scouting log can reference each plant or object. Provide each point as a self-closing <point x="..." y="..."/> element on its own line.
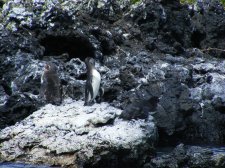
<point x="189" y="156"/>
<point x="158" y="58"/>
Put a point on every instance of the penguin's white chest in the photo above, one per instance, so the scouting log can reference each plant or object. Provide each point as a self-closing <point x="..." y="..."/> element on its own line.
<point x="96" y="80"/>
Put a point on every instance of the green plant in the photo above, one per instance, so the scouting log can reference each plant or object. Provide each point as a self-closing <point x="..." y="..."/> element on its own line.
<point x="223" y="2"/>
<point x="134" y="1"/>
<point x="193" y="1"/>
<point x="188" y="1"/>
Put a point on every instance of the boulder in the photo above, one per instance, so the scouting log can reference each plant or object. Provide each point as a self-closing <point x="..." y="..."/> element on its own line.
<point x="79" y="136"/>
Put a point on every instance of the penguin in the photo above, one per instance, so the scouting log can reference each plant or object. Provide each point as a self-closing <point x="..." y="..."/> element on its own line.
<point x="92" y="83"/>
<point x="51" y="85"/>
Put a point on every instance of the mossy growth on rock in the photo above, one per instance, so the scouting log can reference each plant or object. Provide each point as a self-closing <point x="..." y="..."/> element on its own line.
<point x="194" y="1"/>
<point x="188" y="1"/>
<point x="134" y="1"/>
<point x="223" y="2"/>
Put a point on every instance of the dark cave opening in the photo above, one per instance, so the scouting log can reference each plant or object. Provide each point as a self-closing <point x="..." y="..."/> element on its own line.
<point x="6" y="87"/>
<point x="167" y="140"/>
<point x="196" y="38"/>
<point x="110" y="94"/>
<point x="73" y="46"/>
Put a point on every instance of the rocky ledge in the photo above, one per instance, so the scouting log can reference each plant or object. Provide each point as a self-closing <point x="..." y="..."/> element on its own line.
<point x="189" y="156"/>
<point x="73" y="135"/>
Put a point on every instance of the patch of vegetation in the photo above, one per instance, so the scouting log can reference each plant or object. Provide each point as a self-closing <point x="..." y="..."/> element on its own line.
<point x="2" y="2"/>
<point x="134" y="1"/>
<point x="223" y="2"/>
<point x="193" y="1"/>
<point x="188" y="1"/>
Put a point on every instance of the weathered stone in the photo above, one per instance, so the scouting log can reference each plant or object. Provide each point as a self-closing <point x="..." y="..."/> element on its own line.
<point x="74" y="135"/>
<point x="189" y="156"/>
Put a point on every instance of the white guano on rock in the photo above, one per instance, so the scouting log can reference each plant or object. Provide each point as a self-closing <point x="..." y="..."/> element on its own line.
<point x="73" y="133"/>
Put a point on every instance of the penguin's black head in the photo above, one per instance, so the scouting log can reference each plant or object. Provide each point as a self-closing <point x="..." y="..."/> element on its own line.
<point x="89" y="61"/>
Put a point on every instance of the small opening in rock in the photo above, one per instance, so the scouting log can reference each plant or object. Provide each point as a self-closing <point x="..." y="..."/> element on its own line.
<point x="167" y="140"/>
<point x="6" y="87"/>
<point x="196" y="38"/>
<point x="110" y="122"/>
<point x="73" y="46"/>
<point x="83" y="76"/>
<point x="110" y="95"/>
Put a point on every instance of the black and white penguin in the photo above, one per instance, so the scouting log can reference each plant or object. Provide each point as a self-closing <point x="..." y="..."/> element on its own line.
<point x="51" y="85"/>
<point x="92" y="83"/>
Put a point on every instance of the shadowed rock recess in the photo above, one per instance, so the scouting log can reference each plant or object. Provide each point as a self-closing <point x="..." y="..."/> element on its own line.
<point x="162" y="68"/>
<point x="73" y="46"/>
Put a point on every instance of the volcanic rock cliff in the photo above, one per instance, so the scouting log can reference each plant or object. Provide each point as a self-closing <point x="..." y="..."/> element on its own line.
<point x="162" y="66"/>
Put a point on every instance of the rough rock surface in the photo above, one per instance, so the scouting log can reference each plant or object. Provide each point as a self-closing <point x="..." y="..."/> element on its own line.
<point x="189" y="156"/>
<point x="156" y="57"/>
<point x="76" y="136"/>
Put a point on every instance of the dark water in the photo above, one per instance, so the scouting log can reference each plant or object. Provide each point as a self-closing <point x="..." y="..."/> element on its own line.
<point x="21" y="165"/>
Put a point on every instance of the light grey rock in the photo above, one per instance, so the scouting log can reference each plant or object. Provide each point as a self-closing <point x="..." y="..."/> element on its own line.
<point x="74" y="134"/>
